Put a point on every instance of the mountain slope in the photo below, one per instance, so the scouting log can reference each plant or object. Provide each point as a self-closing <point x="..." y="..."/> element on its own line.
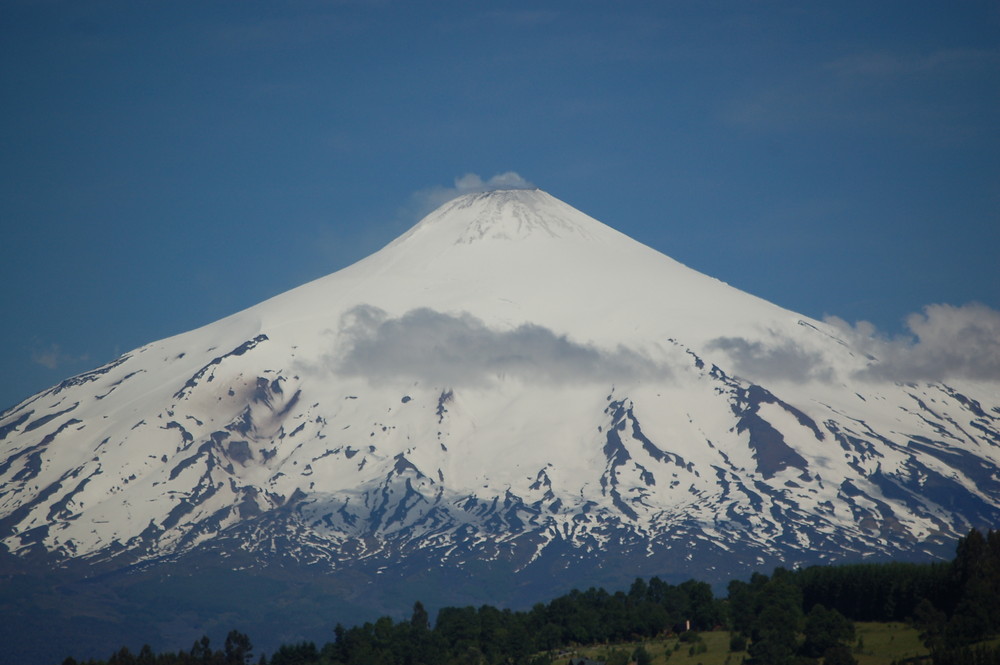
<point x="509" y="382"/>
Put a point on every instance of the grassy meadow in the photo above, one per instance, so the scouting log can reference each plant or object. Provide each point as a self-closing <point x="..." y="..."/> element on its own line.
<point x="876" y="644"/>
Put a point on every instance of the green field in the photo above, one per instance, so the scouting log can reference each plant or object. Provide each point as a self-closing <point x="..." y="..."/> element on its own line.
<point x="880" y="644"/>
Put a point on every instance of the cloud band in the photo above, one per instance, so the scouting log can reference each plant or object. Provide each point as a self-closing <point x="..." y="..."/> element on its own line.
<point x="450" y="350"/>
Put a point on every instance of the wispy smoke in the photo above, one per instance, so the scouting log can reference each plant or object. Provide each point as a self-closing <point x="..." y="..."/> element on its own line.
<point x="53" y="357"/>
<point x="452" y="350"/>
<point x="947" y="342"/>
<point x="471" y="182"/>
<point x="428" y="199"/>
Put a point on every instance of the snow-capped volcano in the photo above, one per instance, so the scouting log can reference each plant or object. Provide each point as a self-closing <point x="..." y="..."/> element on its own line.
<point x="510" y="380"/>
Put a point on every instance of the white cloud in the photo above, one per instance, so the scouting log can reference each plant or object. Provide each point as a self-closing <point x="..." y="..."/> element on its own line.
<point x="947" y="342"/>
<point x="451" y="350"/>
<point x="782" y="360"/>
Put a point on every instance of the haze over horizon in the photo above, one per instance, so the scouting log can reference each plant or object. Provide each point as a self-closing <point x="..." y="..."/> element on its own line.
<point x="166" y="165"/>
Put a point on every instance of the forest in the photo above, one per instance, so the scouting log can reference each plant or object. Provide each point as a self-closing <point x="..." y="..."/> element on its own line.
<point x="799" y="617"/>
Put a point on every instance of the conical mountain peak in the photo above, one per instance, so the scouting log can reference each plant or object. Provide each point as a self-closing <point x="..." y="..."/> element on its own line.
<point x="508" y="214"/>
<point x="506" y="256"/>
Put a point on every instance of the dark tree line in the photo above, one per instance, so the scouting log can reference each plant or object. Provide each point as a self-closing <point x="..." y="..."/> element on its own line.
<point x="489" y="635"/>
<point x="768" y="614"/>
<point x="954" y="604"/>
<point x="970" y="611"/>
<point x="788" y="618"/>
<point x="875" y="592"/>
<point x="808" y="613"/>
<point x="483" y="635"/>
<point x="237" y="651"/>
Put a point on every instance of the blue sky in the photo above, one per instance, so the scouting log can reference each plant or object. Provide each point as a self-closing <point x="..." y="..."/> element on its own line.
<point x="164" y="164"/>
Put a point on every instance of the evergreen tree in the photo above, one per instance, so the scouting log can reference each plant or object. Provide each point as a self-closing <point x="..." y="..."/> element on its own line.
<point x="419" y="619"/>
<point x="977" y="580"/>
<point x="201" y="652"/>
<point x="642" y="657"/>
<point x="122" y="657"/>
<point x="145" y="656"/>
<point x="705" y="613"/>
<point x="931" y="622"/>
<point x="238" y="650"/>
<point x="825" y="629"/>
<point x="775" y="629"/>
<point x="304" y="653"/>
<point x="744" y="603"/>
<point x="839" y="654"/>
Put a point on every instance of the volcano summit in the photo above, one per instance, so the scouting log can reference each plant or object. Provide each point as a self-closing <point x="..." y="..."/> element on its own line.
<point x="509" y="386"/>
